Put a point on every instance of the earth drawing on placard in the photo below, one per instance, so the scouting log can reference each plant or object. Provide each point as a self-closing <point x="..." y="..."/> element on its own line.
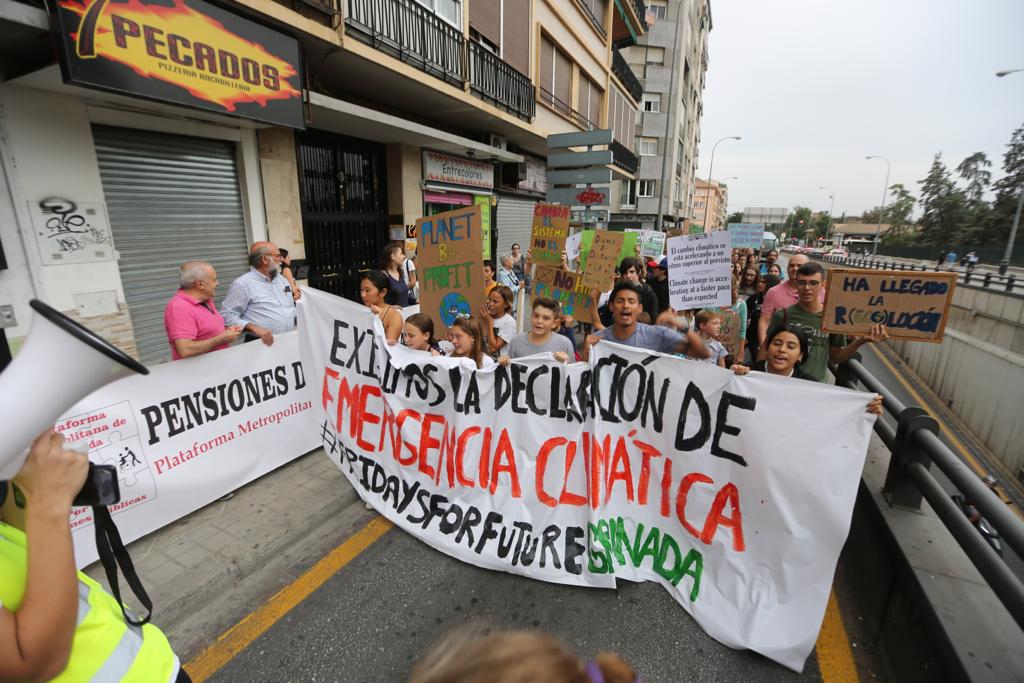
<point x="454" y="305"/>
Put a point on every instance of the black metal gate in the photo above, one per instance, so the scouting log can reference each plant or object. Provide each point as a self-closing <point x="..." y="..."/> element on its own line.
<point x="343" y="192"/>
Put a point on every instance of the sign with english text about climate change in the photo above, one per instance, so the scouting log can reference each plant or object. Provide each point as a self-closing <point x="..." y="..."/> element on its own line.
<point x="191" y="431"/>
<point x="637" y="466"/>
<point x="912" y="306"/>
<point x="450" y="264"/>
<point x="700" y="270"/>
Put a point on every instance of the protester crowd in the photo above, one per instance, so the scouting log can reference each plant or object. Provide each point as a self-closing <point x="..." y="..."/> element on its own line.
<point x="780" y="321"/>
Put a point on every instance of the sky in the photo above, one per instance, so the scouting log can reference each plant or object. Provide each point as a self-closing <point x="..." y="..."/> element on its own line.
<point x="813" y="86"/>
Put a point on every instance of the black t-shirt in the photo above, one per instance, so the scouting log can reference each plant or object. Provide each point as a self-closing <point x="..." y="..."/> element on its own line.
<point x="660" y="288"/>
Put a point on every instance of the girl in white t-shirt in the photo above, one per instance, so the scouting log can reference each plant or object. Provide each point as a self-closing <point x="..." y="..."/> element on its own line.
<point x="467" y="338"/>
<point x="499" y="325"/>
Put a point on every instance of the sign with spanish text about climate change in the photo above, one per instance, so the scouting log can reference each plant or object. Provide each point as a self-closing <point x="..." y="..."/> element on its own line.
<point x="912" y="306"/>
<point x="565" y="287"/>
<point x="633" y="466"/>
<point x="449" y="262"/>
<point x="190" y="431"/>
<point x="548" y="233"/>
<point x="187" y="52"/>
<point x="700" y="270"/>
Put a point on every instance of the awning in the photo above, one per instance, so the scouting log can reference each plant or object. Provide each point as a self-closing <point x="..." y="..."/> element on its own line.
<point x="351" y="119"/>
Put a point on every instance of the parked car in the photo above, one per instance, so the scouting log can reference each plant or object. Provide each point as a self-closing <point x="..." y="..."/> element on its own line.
<point x="838" y="251"/>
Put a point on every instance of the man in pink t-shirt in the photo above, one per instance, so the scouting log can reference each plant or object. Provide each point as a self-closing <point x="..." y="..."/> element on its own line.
<point x="781" y="295"/>
<point x="191" y="319"/>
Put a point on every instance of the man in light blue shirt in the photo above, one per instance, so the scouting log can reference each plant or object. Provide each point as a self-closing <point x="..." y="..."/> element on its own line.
<point x="261" y="302"/>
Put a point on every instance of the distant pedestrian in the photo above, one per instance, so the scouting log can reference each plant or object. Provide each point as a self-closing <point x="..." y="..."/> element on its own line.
<point x="393" y="265"/>
<point x="951" y="259"/>
<point x="261" y="301"/>
<point x="972" y="260"/>
<point x="657" y="279"/>
<point x="193" y="325"/>
<point x="942" y="259"/>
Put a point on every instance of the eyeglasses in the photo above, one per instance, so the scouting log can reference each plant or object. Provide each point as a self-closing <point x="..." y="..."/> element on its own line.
<point x="807" y="283"/>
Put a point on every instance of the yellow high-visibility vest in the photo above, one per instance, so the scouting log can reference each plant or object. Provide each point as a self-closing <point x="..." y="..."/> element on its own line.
<point x="105" y="648"/>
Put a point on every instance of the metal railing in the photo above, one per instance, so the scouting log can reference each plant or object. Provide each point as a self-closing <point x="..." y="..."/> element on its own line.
<point x="623" y="158"/>
<point x="494" y="80"/>
<point x="566" y="109"/>
<point x="592" y="18"/>
<point x="622" y="70"/>
<point x="413" y="34"/>
<point x="979" y="280"/>
<point x="915" y="446"/>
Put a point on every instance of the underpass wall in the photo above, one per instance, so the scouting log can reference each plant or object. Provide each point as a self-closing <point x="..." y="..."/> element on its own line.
<point x="983" y="384"/>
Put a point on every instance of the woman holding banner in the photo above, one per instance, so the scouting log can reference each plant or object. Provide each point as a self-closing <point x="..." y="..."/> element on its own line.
<point x="373" y="290"/>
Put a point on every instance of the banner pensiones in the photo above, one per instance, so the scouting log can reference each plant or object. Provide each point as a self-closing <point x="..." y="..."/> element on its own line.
<point x="635" y="465"/>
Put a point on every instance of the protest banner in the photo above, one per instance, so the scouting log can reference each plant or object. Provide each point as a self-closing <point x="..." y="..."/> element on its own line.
<point x="484" y="202"/>
<point x="586" y="473"/>
<point x="548" y="233"/>
<point x="628" y="248"/>
<point x="696" y="229"/>
<point x="572" y="246"/>
<point x="565" y="287"/>
<point x="730" y="333"/>
<point x="746" y="235"/>
<point x="449" y="260"/>
<point x="652" y="242"/>
<point x="602" y="259"/>
<point x="913" y="306"/>
<point x="190" y="431"/>
<point x="700" y="270"/>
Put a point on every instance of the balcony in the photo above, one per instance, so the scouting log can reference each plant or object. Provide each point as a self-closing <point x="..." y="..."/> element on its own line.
<point x="623" y="158"/>
<point x="493" y="80"/>
<point x="622" y="71"/>
<point x="406" y="30"/>
<point x="629" y="22"/>
<point x="565" y="109"/>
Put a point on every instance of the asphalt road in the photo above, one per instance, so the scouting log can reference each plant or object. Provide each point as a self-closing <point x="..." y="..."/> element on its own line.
<point x="373" y="619"/>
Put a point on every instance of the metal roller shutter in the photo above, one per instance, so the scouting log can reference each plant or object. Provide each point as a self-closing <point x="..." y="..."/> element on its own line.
<point x="515" y="218"/>
<point x="170" y="199"/>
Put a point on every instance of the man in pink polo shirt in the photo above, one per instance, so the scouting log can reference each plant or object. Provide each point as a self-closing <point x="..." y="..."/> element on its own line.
<point x="191" y="319"/>
<point x="782" y="295"/>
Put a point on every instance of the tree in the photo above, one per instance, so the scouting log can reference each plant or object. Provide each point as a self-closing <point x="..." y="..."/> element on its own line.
<point x="736" y="217"/>
<point x="973" y="171"/>
<point x="943" y="206"/>
<point x="897" y="215"/>
<point x="1008" y="189"/>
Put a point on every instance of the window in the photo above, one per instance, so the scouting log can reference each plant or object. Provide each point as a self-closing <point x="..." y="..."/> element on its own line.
<point x="555" y="76"/>
<point x="596" y="9"/>
<point x="652" y="102"/>
<point x="588" y="101"/>
<point x="449" y="10"/>
<point x="645" y="188"/>
<point x="647" y="147"/>
<point x="659" y="8"/>
<point x="655" y="56"/>
<point x="622" y="120"/>
<point x="628" y="193"/>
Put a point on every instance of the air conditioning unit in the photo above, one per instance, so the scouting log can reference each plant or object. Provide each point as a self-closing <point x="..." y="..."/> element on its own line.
<point x="513" y="173"/>
<point x="495" y="140"/>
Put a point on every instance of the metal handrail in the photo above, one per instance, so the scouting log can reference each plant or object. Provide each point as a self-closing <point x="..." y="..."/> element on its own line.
<point x="622" y="70"/>
<point x="988" y="281"/>
<point x="496" y="81"/>
<point x="914" y="445"/>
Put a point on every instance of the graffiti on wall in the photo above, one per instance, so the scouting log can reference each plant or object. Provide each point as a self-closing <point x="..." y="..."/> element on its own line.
<point x="71" y="232"/>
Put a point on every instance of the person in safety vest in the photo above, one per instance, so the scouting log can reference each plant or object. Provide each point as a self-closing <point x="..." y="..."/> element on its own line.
<point x="54" y="625"/>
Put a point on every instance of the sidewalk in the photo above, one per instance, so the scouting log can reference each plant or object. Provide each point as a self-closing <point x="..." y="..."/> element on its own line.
<point x="208" y="570"/>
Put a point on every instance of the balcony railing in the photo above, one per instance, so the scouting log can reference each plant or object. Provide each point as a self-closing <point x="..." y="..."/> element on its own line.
<point x="564" y="108"/>
<point x="417" y="36"/>
<point x="413" y="34"/>
<point x="622" y="70"/>
<point x="623" y="158"/>
<point x="494" y="80"/>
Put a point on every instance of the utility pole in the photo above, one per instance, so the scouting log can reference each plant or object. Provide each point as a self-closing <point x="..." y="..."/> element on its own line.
<point x="1005" y="263"/>
<point x="885" y="193"/>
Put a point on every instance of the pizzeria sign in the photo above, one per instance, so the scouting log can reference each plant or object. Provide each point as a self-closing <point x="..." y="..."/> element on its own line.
<point x="186" y="52"/>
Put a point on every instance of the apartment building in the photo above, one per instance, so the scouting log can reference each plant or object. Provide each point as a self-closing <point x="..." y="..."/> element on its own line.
<point x="670" y="63"/>
<point x="710" y="204"/>
<point x="326" y="126"/>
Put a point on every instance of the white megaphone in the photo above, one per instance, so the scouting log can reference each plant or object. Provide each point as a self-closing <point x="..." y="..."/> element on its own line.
<point x="60" y="363"/>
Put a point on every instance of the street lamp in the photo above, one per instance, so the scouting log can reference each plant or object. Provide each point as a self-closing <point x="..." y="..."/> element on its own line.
<point x="1000" y="74"/>
<point x="711" y="167"/>
<point x="885" y="193"/>
<point x="1005" y="263"/>
<point x="831" y="207"/>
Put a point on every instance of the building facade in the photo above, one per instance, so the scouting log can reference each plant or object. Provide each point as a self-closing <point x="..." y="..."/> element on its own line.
<point x="404" y="108"/>
<point x="669" y="64"/>
<point x="710" y="204"/>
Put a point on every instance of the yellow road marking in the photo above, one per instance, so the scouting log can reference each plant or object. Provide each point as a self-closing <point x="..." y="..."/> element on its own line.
<point x="953" y="438"/>
<point x="241" y="635"/>
<point x="835" y="656"/>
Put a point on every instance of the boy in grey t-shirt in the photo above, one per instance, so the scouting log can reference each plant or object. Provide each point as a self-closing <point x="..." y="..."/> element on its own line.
<point x="542" y="338"/>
